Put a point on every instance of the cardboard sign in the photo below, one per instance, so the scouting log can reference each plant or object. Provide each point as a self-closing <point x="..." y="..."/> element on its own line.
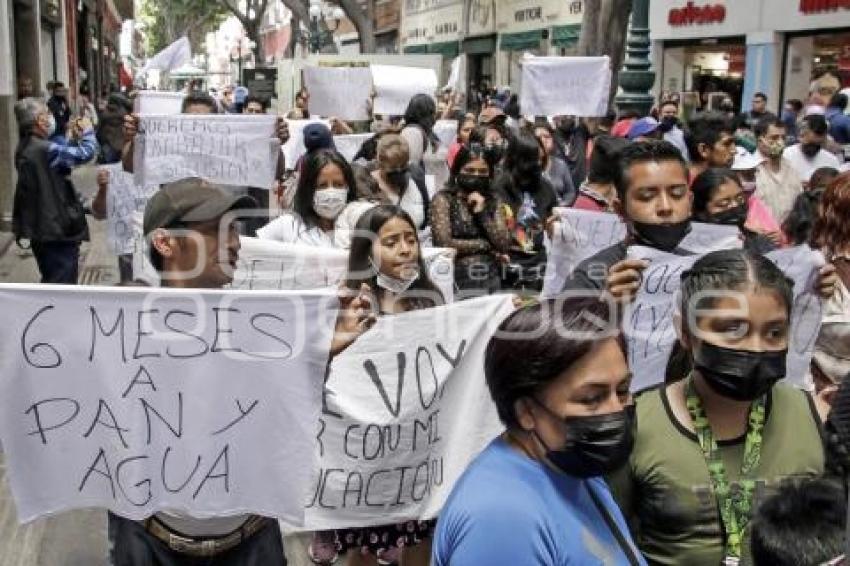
<point x="405" y="409"/>
<point x="553" y="86"/>
<point x="198" y="402"/>
<point x="395" y="86"/>
<point x="124" y="200"/>
<point x="340" y="92"/>
<point x="230" y="149"/>
<point x="267" y="264"/>
<point x="650" y="331"/>
<point x="157" y="102"/>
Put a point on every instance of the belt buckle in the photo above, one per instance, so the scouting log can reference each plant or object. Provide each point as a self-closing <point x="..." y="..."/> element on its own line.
<point x="209" y="547"/>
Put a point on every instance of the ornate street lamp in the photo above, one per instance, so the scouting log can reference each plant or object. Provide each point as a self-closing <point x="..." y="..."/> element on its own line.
<point x="320" y="13"/>
<point x="636" y="78"/>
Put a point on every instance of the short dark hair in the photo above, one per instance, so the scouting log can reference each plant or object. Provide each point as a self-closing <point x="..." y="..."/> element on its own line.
<point x="537" y="343"/>
<point x="839" y="100"/>
<point x="523" y="146"/>
<point x="704" y="187"/>
<point x="763" y="125"/>
<point x="730" y="270"/>
<point x="314" y="162"/>
<point x="261" y="100"/>
<point x="201" y="98"/>
<point x="644" y="152"/>
<point x="606" y="150"/>
<point x="802" y="522"/>
<point x="817" y="124"/>
<point x="761" y="95"/>
<point x="706" y="129"/>
<point x="795" y="103"/>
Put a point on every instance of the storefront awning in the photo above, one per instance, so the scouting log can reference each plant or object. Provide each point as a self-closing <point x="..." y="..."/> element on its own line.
<point x="416" y="49"/>
<point x="521" y="40"/>
<point x="566" y="36"/>
<point x="448" y="49"/>
<point x="479" y="45"/>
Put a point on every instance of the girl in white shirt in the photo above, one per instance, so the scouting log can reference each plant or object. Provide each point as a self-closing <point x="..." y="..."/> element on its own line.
<point x="325" y="188"/>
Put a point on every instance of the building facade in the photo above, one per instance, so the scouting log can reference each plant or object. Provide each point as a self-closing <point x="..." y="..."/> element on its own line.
<point x="783" y="48"/>
<point x="493" y="34"/>
<point x="72" y="41"/>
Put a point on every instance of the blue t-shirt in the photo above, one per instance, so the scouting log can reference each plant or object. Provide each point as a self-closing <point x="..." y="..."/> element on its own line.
<point x="508" y="509"/>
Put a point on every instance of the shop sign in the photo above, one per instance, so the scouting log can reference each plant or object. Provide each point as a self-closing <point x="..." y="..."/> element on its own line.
<point x="817" y="6"/>
<point x="699" y="15"/>
<point x="528" y="15"/>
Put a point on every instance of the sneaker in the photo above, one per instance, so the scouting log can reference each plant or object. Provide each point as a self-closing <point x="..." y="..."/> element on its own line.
<point x="389" y="557"/>
<point x="322" y="552"/>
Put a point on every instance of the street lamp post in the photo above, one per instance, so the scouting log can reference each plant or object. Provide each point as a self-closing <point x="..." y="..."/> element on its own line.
<point x="636" y="77"/>
<point x="315" y="36"/>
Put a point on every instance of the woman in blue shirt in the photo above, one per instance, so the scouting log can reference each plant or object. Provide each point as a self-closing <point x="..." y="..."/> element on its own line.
<point x="559" y="379"/>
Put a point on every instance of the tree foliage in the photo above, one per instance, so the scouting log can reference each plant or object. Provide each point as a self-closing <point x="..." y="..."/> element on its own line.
<point x="251" y="18"/>
<point x="167" y="21"/>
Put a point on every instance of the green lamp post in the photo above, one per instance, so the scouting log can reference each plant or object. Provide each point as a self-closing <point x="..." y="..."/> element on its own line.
<point x="636" y="77"/>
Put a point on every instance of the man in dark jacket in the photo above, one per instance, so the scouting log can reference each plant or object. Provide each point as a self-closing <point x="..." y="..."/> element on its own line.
<point x="59" y="107"/>
<point x="47" y="210"/>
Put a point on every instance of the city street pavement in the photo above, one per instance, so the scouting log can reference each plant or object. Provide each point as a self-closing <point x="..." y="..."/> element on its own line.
<point x="74" y="538"/>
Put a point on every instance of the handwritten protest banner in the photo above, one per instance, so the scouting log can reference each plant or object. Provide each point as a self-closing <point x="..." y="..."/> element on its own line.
<point x="553" y="86"/>
<point x="199" y="402"/>
<point x="266" y="264"/>
<point x="124" y="199"/>
<point x="230" y="149"/>
<point x="341" y="92"/>
<point x="649" y="324"/>
<point x="349" y="144"/>
<point x="580" y="234"/>
<point x="395" y="86"/>
<point x="294" y="148"/>
<point x="158" y="102"/>
<point x="405" y="409"/>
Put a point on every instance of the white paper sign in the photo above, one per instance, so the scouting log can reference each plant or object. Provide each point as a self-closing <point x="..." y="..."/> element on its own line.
<point x="267" y="264"/>
<point x="158" y="102"/>
<point x="553" y="86"/>
<point x="649" y="327"/>
<point x="230" y="149"/>
<point x="457" y="74"/>
<point x="395" y="86"/>
<point x="349" y="144"/>
<point x="294" y="148"/>
<point x="200" y="402"/>
<point x="580" y="234"/>
<point x="446" y="132"/>
<point x="341" y="92"/>
<point x="405" y="409"/>
<point x="124" y="200"/>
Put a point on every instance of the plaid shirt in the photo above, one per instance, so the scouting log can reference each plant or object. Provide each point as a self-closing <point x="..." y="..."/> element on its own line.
<point x="64" y="157"/>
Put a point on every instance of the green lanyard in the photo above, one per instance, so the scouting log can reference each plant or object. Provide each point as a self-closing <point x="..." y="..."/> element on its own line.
<point x="734" y="506"/>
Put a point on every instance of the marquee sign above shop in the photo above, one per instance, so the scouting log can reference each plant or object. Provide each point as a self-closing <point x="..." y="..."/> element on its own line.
<point x="697" y="15"/>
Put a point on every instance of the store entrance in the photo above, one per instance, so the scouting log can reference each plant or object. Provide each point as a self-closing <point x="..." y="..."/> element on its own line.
<point x="710" y="72"/>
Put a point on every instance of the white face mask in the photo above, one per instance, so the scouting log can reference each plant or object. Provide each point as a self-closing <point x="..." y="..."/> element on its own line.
<point x="328" y="203"/>
<point x="393" y="284"/>
<point x="51" y="128"/>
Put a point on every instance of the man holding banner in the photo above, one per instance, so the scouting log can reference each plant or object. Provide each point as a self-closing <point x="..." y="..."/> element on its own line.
<point x="183" y="223"/>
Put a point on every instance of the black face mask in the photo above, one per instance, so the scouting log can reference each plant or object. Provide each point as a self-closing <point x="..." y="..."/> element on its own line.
<point x="739" y="374"/>
<point x="667" y="124"/>
<point x="731" y="216"/>
<point x="595" y="445"/>
<point x="664" y="237"/>
<point x="493" y="154"/>
<point x="473" y="183"/>
<point x="398" y="179"/>
<point x="810" y="149"/>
